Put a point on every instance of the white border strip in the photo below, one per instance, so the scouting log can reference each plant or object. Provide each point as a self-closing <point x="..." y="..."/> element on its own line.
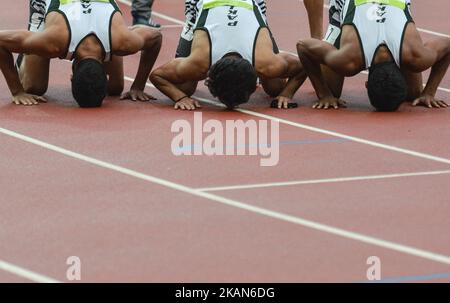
<point x="409" y="250"/>
<point x="320" y="181"/>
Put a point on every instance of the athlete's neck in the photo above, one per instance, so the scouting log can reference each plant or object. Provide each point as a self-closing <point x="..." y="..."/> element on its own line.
<point x="232" y="55"/>
<point x="382" y="55"/>
<point x="90" y="48"/>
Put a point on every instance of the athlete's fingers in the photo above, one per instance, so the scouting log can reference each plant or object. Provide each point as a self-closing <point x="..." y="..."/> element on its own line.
<point x="434" y="104"/>
<point x="27" y="101"/>
<point x="315" y="105"/>
<point x="197" y="104"/>
<point x="41" y="99"/>
<point x="125" y="96"/>
<point x="443" y="103"/>
<point x="150" y="97"/>
<point x="143" y="97"/>
<point x="327" y="105"/>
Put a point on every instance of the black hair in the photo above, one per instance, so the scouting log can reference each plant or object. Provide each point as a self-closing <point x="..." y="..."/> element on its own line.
<point x="89" y="83"/>
<point x="386" y="86"/>
<point x="232" y="80"/>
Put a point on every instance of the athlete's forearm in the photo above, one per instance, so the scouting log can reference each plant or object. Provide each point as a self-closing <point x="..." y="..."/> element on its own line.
<point x="311" y="59"/>
<point x="149" y="54"/>
<point x="9" y="71"/>
<point x="294" y="66"/>
<point x="441" y="66"/>
<point x="165" y="80"/>
<point x="293" y="85"/>
<point x="315" y="17"/>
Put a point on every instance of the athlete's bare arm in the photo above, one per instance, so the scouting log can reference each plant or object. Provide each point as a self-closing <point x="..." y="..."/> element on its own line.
<point x="269" y="65"/>
<point x="48" y="44"/>
<point x="346" y="61"/>
<point x="169" y="77"/>
<point x="126" y="42"/>
<point x="418" y="57"/>
<point x="315" y="17"/>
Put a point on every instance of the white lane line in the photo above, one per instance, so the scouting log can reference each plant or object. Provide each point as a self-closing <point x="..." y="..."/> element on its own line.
<point x="320" y="181"/>
<point x="25" y="273"/>
<point x="162" y="16"/>
<point x="322" y="131"/>
<point x="171" y="26"/>
<point x="347" y="137"/>
<point x="409" y="250"/>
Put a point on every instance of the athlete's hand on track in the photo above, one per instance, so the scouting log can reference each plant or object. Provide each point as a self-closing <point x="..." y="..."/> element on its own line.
<point x="329" y="102"/>
<point x="283" y="102"/>
<point x="187" y="104"/>
<point x="137" y="95"/>
<point x="28" y="99"/>
<point x="430" y="102"/>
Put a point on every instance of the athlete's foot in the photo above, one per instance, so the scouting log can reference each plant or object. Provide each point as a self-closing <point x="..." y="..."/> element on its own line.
<point x="145" y="22"/>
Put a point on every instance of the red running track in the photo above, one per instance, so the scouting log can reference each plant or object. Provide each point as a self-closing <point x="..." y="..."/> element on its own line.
<point x="132" y="211"/>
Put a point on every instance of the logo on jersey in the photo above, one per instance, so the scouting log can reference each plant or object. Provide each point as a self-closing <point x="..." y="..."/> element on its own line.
<point x="377" y="13"/>
<point x="232" y="16"/>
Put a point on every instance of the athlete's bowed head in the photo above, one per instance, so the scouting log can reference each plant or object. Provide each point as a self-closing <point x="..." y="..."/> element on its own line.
<point x="89" y="83"/>
<point x="232" y="80"/>
<point x="386" y="86"/>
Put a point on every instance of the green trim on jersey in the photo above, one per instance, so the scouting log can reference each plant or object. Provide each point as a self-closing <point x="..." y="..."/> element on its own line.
<point x="216" y="3"/>
<point x="55" y="4"/>
<point x="401" y="4"/>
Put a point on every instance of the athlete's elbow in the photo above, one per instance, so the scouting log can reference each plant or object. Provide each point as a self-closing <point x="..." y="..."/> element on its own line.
<point x="302" y="47"/>
<point x="269" y="70"/>
<point x="155" y="76"/>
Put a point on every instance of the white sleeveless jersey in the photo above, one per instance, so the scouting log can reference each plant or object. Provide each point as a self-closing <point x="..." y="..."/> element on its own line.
<point x="231" y="29"/>
<point x="86" y="18"/>
<point x="336" y="8"/>
<point x="376" y="23"/>
<point x="192" y="9"/>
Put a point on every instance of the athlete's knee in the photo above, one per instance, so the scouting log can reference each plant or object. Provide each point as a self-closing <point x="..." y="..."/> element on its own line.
<point x="350" y="69"/>
<point x="35" y="87"/>
<point x="116" y="88"/>
<point x="188" y="88"/>
<point x="273" y="87"/>
<point x="413" y="93"/>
